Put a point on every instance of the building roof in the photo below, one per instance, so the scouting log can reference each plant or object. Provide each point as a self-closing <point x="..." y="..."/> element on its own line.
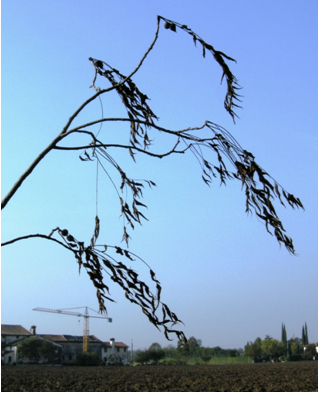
<point x="68" y="338"/>
<point x="17" y="342"/>
<point x="117" y="344"/>
<point x="53" y="337"/>
<point x="14" y="330"/>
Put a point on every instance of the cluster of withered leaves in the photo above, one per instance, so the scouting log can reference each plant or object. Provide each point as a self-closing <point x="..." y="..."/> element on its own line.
<point x="131" y="213"/>
<point x="134" y="101"/>
<point x="97" y="259"/>
<point x="260" y="188"/>
<point x="232" y="82"/>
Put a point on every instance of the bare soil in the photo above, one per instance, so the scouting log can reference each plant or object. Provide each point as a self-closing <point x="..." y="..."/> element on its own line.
<point x="282" y="377"/>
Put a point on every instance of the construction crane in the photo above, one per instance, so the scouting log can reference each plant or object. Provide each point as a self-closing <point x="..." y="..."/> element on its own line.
<point x="85" y="316"/>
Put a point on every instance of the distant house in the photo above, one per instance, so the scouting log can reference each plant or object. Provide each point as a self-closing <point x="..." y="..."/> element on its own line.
<point x="73" y="346"/>
<point x="114" y="352"/>
<point x="11" y="334"/>
<point x="67" y="346"/>
<point x="108" y="352"/>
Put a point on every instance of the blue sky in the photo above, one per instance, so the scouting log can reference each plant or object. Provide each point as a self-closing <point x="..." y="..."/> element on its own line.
<point x="221" y="272"/>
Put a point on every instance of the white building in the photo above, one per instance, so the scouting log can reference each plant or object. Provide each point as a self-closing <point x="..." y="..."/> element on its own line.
<point x="114" y="352"/>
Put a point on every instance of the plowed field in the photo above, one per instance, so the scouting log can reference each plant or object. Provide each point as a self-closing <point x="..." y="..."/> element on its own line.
<point x="287" y="377"/>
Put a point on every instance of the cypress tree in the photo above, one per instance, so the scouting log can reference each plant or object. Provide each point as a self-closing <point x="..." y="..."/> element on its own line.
<point x="283" y="335"/>
<point x="306" y="334"/>
<point x="304" y="337"/>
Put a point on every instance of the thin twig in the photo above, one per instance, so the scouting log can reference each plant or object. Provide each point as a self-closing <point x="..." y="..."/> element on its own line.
<point x="125" y="119"/>
<point x="106" y="145"/>
<point x="39" y="235"/>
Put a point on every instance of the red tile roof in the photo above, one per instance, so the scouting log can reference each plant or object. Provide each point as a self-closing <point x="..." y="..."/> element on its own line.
<point x="117" y="344"/>
<point x="14" y="330"/>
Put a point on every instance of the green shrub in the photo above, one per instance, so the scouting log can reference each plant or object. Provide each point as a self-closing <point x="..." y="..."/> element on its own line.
<point x="206" y="358"/>
<point x="87" y="359"/>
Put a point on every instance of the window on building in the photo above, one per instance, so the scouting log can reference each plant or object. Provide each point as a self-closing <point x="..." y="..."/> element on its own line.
<point x="118" y="349"/>
<point x="125" y="349"/>
<point x="70" y="357"/>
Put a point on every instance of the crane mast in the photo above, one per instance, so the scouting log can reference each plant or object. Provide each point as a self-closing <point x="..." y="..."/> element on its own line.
<point x="85" y="316"/>
<point x="86" y="330"/>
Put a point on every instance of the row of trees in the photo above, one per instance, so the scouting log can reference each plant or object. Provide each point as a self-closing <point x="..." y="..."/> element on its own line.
<point x="191" y="349"/>
<point x="260" y="350"/>
<point x="272" y="349"/>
